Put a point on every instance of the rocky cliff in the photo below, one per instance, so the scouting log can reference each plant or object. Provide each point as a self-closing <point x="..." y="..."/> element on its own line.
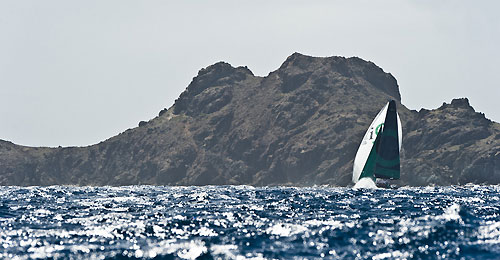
<point x="300" y="125"/>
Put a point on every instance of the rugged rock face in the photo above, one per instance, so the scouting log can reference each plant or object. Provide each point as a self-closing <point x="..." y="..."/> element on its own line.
<point x="452" y="145"/>
<point x="300" y="125"/>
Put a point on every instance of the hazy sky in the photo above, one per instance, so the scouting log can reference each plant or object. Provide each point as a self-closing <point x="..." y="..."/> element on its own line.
<point x="74" y="73"/>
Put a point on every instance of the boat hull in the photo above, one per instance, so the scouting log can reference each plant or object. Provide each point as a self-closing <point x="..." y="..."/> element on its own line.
<point x="365" y="183"/>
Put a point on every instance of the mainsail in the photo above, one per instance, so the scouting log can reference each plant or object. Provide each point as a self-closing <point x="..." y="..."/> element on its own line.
<point x="378" y="153"/>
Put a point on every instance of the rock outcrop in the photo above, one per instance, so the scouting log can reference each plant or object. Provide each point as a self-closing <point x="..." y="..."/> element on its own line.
<point x="300" y="125"/>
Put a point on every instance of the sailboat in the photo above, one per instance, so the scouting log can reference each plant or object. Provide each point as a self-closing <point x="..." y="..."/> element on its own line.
<point x="378" y="153"/>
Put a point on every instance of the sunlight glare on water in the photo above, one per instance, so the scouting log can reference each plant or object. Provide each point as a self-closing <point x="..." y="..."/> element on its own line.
<point x="243" y="222"/>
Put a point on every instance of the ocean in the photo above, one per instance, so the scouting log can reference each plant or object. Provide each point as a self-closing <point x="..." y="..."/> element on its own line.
<point x="244" y="222"/>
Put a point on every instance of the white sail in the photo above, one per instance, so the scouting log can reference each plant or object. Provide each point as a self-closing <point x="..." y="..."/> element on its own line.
<point x="367" y="143"/>
<point x="400" y="132"/>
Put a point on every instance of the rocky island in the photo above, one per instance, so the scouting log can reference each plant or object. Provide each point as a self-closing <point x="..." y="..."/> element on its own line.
<point x="299" y="125"/>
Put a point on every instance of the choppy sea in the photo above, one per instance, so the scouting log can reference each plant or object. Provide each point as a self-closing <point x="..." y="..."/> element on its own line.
<point x="243" y="222"/>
